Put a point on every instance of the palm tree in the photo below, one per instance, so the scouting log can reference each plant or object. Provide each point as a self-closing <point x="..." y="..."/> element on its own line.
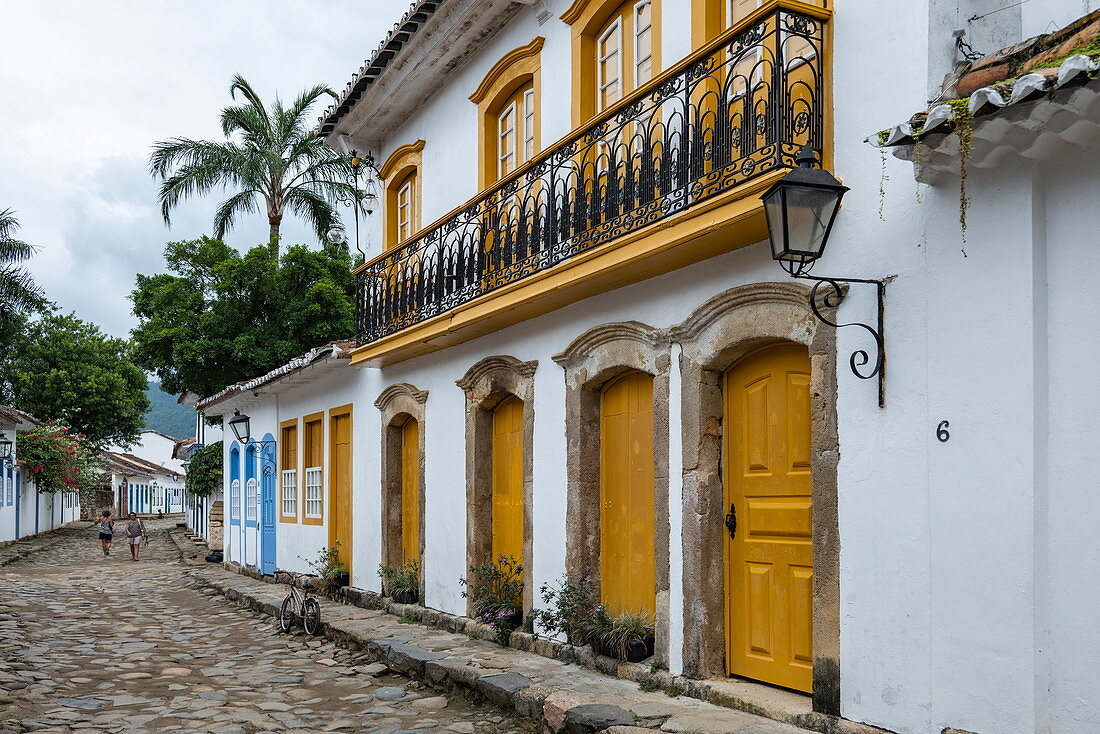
<point x="18" y="291"/>
<point x="269" y="155"/>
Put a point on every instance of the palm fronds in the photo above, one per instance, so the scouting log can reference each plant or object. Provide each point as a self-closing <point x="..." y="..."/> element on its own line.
<point x="268" y="151"/>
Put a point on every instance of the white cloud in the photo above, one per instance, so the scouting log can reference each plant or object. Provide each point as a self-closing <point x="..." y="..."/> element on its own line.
<point x="89" y="86"/>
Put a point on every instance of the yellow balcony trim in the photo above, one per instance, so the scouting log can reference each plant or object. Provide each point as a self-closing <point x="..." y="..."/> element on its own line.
<point x="823" y="14"/>
<point x="726" y="222"/>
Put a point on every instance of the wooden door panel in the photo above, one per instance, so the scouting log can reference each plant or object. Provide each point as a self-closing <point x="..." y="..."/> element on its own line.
<point x="341" y="482"/>
<point x="627" y="557"/>
<point x="507" y="501"/>
<point x="410" y="491"/>
<point x="767" y="480"/>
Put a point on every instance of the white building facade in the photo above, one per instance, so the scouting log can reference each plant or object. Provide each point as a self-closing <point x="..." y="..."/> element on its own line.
<point x="574" y="345"/>
<point x="23" y="509"/>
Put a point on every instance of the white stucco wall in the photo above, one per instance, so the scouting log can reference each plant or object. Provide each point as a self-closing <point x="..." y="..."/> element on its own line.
<point x="965" y="594"/>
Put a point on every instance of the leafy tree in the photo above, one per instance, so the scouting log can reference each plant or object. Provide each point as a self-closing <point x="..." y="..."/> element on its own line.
<point x="18" y="292"/>
<point x="204" y="473"/>
<point x="269" y="155"/>
<point x="60" y="460"/>
<point x="63" y="369"/>
<point x="219" y="317"/>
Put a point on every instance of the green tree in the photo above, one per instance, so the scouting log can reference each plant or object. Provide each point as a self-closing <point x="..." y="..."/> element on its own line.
<point x="204" y="473"/>
<point x="269" y="155"/>
<point x="67" y="370"/>
<point x="219" y="317"/>
<point x="18" y="292"/>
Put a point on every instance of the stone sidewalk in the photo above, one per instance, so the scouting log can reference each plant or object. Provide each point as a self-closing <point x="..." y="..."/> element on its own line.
<point x="560" y="695"/>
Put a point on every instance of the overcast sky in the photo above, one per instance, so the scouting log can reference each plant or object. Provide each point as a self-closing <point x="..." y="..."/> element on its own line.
<point x="87" y="86"/>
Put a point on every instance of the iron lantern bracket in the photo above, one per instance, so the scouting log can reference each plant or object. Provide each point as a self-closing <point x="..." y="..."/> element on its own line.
<point x="830" y="293"/>
<point x="269" y="465"/>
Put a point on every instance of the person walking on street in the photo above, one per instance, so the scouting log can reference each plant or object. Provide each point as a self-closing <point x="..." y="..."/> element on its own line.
<point x="135" y="535"/>
<point x="106" y="531"/>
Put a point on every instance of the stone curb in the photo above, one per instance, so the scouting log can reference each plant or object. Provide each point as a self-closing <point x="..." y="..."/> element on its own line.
<point x="49" y="536"/>
<point x="555" y="707"/>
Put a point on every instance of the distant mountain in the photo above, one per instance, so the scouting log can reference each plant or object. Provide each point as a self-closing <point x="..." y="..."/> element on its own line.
<point x="166" y="415"/>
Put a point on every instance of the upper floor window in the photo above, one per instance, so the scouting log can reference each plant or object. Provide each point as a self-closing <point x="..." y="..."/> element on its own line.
<point x="508" y="111"/>
<point x="617" y="49"/>
<point x="406" y="207"/>
<point x="402" y="174"/>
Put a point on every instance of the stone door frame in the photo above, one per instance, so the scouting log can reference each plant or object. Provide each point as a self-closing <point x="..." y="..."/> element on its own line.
<point x="397" y="404"/>
<point x="487" y="384"/>
<point x="716" y="335"/>
<point x="593" y="359"/>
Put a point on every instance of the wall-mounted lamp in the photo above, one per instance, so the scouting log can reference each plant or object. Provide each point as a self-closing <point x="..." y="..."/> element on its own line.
<point x="6" y="445"/>
<point x="800" y="209"/>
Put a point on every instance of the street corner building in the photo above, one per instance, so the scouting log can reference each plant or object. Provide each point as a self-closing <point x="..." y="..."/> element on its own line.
<point x="646" y="298"/>
<point x="24" y="509"/>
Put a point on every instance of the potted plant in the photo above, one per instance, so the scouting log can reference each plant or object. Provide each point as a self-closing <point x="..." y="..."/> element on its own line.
<point x="331" y="570"/>
<point x="401" y="583"/>
<point x="495" y="591"/>
<point x="626" y="637"/>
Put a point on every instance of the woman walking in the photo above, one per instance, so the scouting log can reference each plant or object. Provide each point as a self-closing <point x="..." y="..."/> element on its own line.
<point x="106" y="531"/>
<point x="135" y="535"/>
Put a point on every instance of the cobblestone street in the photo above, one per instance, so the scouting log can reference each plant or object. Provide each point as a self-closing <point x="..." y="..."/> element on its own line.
<point x="96" y="643"/>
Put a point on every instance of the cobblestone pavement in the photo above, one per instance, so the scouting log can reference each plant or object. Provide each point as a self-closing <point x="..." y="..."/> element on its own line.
<point x="94" y="643"/>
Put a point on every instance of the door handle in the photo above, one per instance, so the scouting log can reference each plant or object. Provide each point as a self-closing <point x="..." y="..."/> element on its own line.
<point x="731" y="520"/>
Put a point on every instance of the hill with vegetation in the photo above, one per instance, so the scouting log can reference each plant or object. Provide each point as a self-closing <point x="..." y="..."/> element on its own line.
<point x="166" y="415"/>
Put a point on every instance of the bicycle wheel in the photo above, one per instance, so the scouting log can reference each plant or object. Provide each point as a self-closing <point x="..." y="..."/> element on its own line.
<point x="288" y="613"/>
<point x="311" y="616"/>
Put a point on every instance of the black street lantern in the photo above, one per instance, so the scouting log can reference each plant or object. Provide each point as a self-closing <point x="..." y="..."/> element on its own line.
<point x="6" y="445"/>
<point x="800" y="210"/>
<point x="241" y="425"/>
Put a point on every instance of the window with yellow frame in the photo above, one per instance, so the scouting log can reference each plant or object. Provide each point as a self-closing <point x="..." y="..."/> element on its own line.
<point x="402" y="174"/>
<point x="616" y="49"/>
<point x="508" y="112"/>
<point x="288" y="476"/>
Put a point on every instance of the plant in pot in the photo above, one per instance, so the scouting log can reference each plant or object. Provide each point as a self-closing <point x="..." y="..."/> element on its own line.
<point x="622" y="636"/>
<point x="495" y="591"/>
<point x="401" y="583"/>
<point x="331" y="570"/>
<point x="571" y="608"/>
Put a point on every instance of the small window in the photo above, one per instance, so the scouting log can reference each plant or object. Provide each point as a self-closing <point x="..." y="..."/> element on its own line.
<point x="643" y="42"/>
<point x="406" y="209"/>
<point x="314" y="492"/>
<point x="610" y="65"/>
<point x="528" y="124"/>
<point x="250" y="495"/>
<point x="506" y="141"/>
<point x="235" y="499"/>
<point x="290" y="492"/>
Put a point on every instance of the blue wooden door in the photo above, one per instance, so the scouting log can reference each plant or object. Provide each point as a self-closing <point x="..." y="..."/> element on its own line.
<point x="267" y="509"/>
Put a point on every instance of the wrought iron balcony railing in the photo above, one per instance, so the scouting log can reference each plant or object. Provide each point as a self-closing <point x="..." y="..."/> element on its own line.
<point x="739" y="108"/>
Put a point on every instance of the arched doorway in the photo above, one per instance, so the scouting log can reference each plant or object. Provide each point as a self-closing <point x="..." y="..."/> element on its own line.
<point x="769" y="546"/>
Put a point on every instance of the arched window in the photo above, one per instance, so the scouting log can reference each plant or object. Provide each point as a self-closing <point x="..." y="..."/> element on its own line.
<point x="402" y="175"/>
<point x="616" y="47"/>
<point x="251" y="493"/>
<point x="508" y="112"/>
<point x="235" y="484"/>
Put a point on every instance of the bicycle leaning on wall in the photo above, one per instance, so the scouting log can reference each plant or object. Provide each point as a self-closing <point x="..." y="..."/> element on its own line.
<point x="299" y="605"/>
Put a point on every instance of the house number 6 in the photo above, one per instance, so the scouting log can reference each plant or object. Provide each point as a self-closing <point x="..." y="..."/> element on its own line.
<point x="942" y="433"/>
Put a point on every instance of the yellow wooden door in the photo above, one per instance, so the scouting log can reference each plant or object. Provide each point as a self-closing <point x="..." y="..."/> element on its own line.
<point x="410" y="491"/>
<point x="340" y="520"/>
<point x="769" y="562"/>
<point x="627" y="562"/>
<point x="508" y="479"/>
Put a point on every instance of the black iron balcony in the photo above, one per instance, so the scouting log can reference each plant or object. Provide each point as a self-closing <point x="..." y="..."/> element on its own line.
<point x="739" y="108"/>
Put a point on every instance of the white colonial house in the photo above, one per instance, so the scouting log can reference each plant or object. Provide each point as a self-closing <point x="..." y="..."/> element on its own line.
<point x="576" y="346"/>
<point x="143" y="486"/>
<point x="23" y="509"/>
